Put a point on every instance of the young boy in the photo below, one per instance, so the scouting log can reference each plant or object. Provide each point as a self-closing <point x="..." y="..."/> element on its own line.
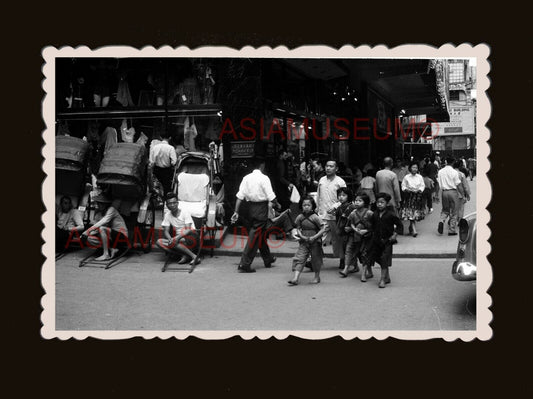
<point x="107" y="230"/>
<point x="178" y="230"/>
<point x="384" y="222"/>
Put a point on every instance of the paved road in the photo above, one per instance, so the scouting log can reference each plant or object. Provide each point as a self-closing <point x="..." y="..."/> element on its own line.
<point x="135" y="295"/>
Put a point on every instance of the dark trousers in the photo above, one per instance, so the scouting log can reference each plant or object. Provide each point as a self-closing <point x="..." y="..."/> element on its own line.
<point x="61" y="239"/>
<point x="304" y="251"/>
<point x="428" y="197"/>
<point x="164" y="175"/>
<point x="257" y="239"/>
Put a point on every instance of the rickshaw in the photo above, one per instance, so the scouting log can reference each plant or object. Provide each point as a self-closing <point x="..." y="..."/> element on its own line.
<point x="123" y="176"/>
<point x="72" y="178"/>
<point x="199" y="188"/>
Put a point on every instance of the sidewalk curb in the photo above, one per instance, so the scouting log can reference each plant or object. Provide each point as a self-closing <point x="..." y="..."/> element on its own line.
<point x="290" y="255"/>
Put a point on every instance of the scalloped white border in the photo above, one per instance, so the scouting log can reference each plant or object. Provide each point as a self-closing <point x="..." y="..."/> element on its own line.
<point x="484" y="279"/>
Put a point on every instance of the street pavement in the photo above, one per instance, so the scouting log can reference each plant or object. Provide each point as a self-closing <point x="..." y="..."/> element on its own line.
<point x="136" y="295"/>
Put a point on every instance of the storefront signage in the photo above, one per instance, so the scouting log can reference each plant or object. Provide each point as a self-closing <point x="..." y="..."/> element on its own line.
<point x="242" y="149"/>
<point x="461" y="122"/>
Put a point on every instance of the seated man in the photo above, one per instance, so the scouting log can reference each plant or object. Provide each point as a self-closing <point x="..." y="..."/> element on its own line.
<point x="109" y="229"/>
<point x="179" y="233"/>
<point x="68" y="220"/>
<point x="281" y="224"/>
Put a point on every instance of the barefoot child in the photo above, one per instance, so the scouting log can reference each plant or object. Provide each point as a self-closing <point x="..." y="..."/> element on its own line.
<point x="310" y="228"/>
<point x="384" y="223"/>
<point x="108" y="229"/>
<point x="358" y="246"/>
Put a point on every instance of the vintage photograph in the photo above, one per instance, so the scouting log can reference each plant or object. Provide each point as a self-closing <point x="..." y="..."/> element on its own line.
<point x="266" y="192"/>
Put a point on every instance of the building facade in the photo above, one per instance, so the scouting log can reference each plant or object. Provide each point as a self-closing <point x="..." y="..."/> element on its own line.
<point x="458" y="136"/>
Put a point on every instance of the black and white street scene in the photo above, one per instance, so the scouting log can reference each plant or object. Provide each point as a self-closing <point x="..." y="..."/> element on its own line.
<point x="249" y="194"/>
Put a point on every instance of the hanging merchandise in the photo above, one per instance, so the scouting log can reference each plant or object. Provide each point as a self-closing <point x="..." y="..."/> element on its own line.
<point x="190" y="134"/>
<point x="126" y="134"/>
<point x="108" y="138"/>
<point x="188" y="91"/>
<point x="123" y="92"/>
<point x="62" y="128"/>
<point x="143" y="139"/>
<point x="221" y="155"/>
<point x="206" y="81"/>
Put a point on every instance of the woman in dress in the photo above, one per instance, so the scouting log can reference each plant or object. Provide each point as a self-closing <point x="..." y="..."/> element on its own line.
<point x="413" y="202"/>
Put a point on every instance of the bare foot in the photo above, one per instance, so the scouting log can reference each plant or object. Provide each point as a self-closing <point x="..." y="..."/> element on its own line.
<point x="316" y="280"/>
<point x="113" y="252"/>
<point x="103" y="257"/>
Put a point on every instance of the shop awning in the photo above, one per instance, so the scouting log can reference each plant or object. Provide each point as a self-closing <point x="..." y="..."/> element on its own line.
<point x="413" y="85"/>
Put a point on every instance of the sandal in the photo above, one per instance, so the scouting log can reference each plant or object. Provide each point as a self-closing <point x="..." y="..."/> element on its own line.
<point x="195" y="261"/>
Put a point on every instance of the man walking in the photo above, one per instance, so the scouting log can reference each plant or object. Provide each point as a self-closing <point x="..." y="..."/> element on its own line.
<point x="451" y="188"/>
<point x="328" y="203"/>
<point x="387" y="182"/>
<point x="256" y="189"/>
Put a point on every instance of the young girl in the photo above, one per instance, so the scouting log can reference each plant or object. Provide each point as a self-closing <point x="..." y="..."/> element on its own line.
<point x="345" y="197"/>
<point x="360" y="226"/>
<point x="384" y="224"/>
<point x="310" y="228"/>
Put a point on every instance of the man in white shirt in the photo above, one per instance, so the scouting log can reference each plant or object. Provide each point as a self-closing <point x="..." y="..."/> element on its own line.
<point x="256" y="190"/>
<point x="450" y="186"/>
<point x="161" y="162"/>
<point x="178" y="230"/>
<point x="328" y="203"/>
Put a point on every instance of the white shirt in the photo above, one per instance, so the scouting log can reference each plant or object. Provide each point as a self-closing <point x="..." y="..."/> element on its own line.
<point x="448" y="178"/>
<point x="256" y="187"/>
<point x="178" y="222"/>
<point x="163" y="155"/>
<point x="327" y="195"/>
<point x="412" y="182"/>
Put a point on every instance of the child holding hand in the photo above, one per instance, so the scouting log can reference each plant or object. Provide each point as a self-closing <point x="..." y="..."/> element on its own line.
<point x="358" y="246"/>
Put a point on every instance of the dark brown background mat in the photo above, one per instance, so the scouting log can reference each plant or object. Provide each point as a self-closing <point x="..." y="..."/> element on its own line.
<point x="257" y="367"/>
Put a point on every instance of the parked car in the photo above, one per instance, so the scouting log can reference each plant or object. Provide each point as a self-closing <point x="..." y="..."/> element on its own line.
<point x="464" y="267"/>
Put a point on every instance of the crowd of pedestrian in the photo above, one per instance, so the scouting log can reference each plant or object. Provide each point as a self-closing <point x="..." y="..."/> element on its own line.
<point x="362" y="226"/>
